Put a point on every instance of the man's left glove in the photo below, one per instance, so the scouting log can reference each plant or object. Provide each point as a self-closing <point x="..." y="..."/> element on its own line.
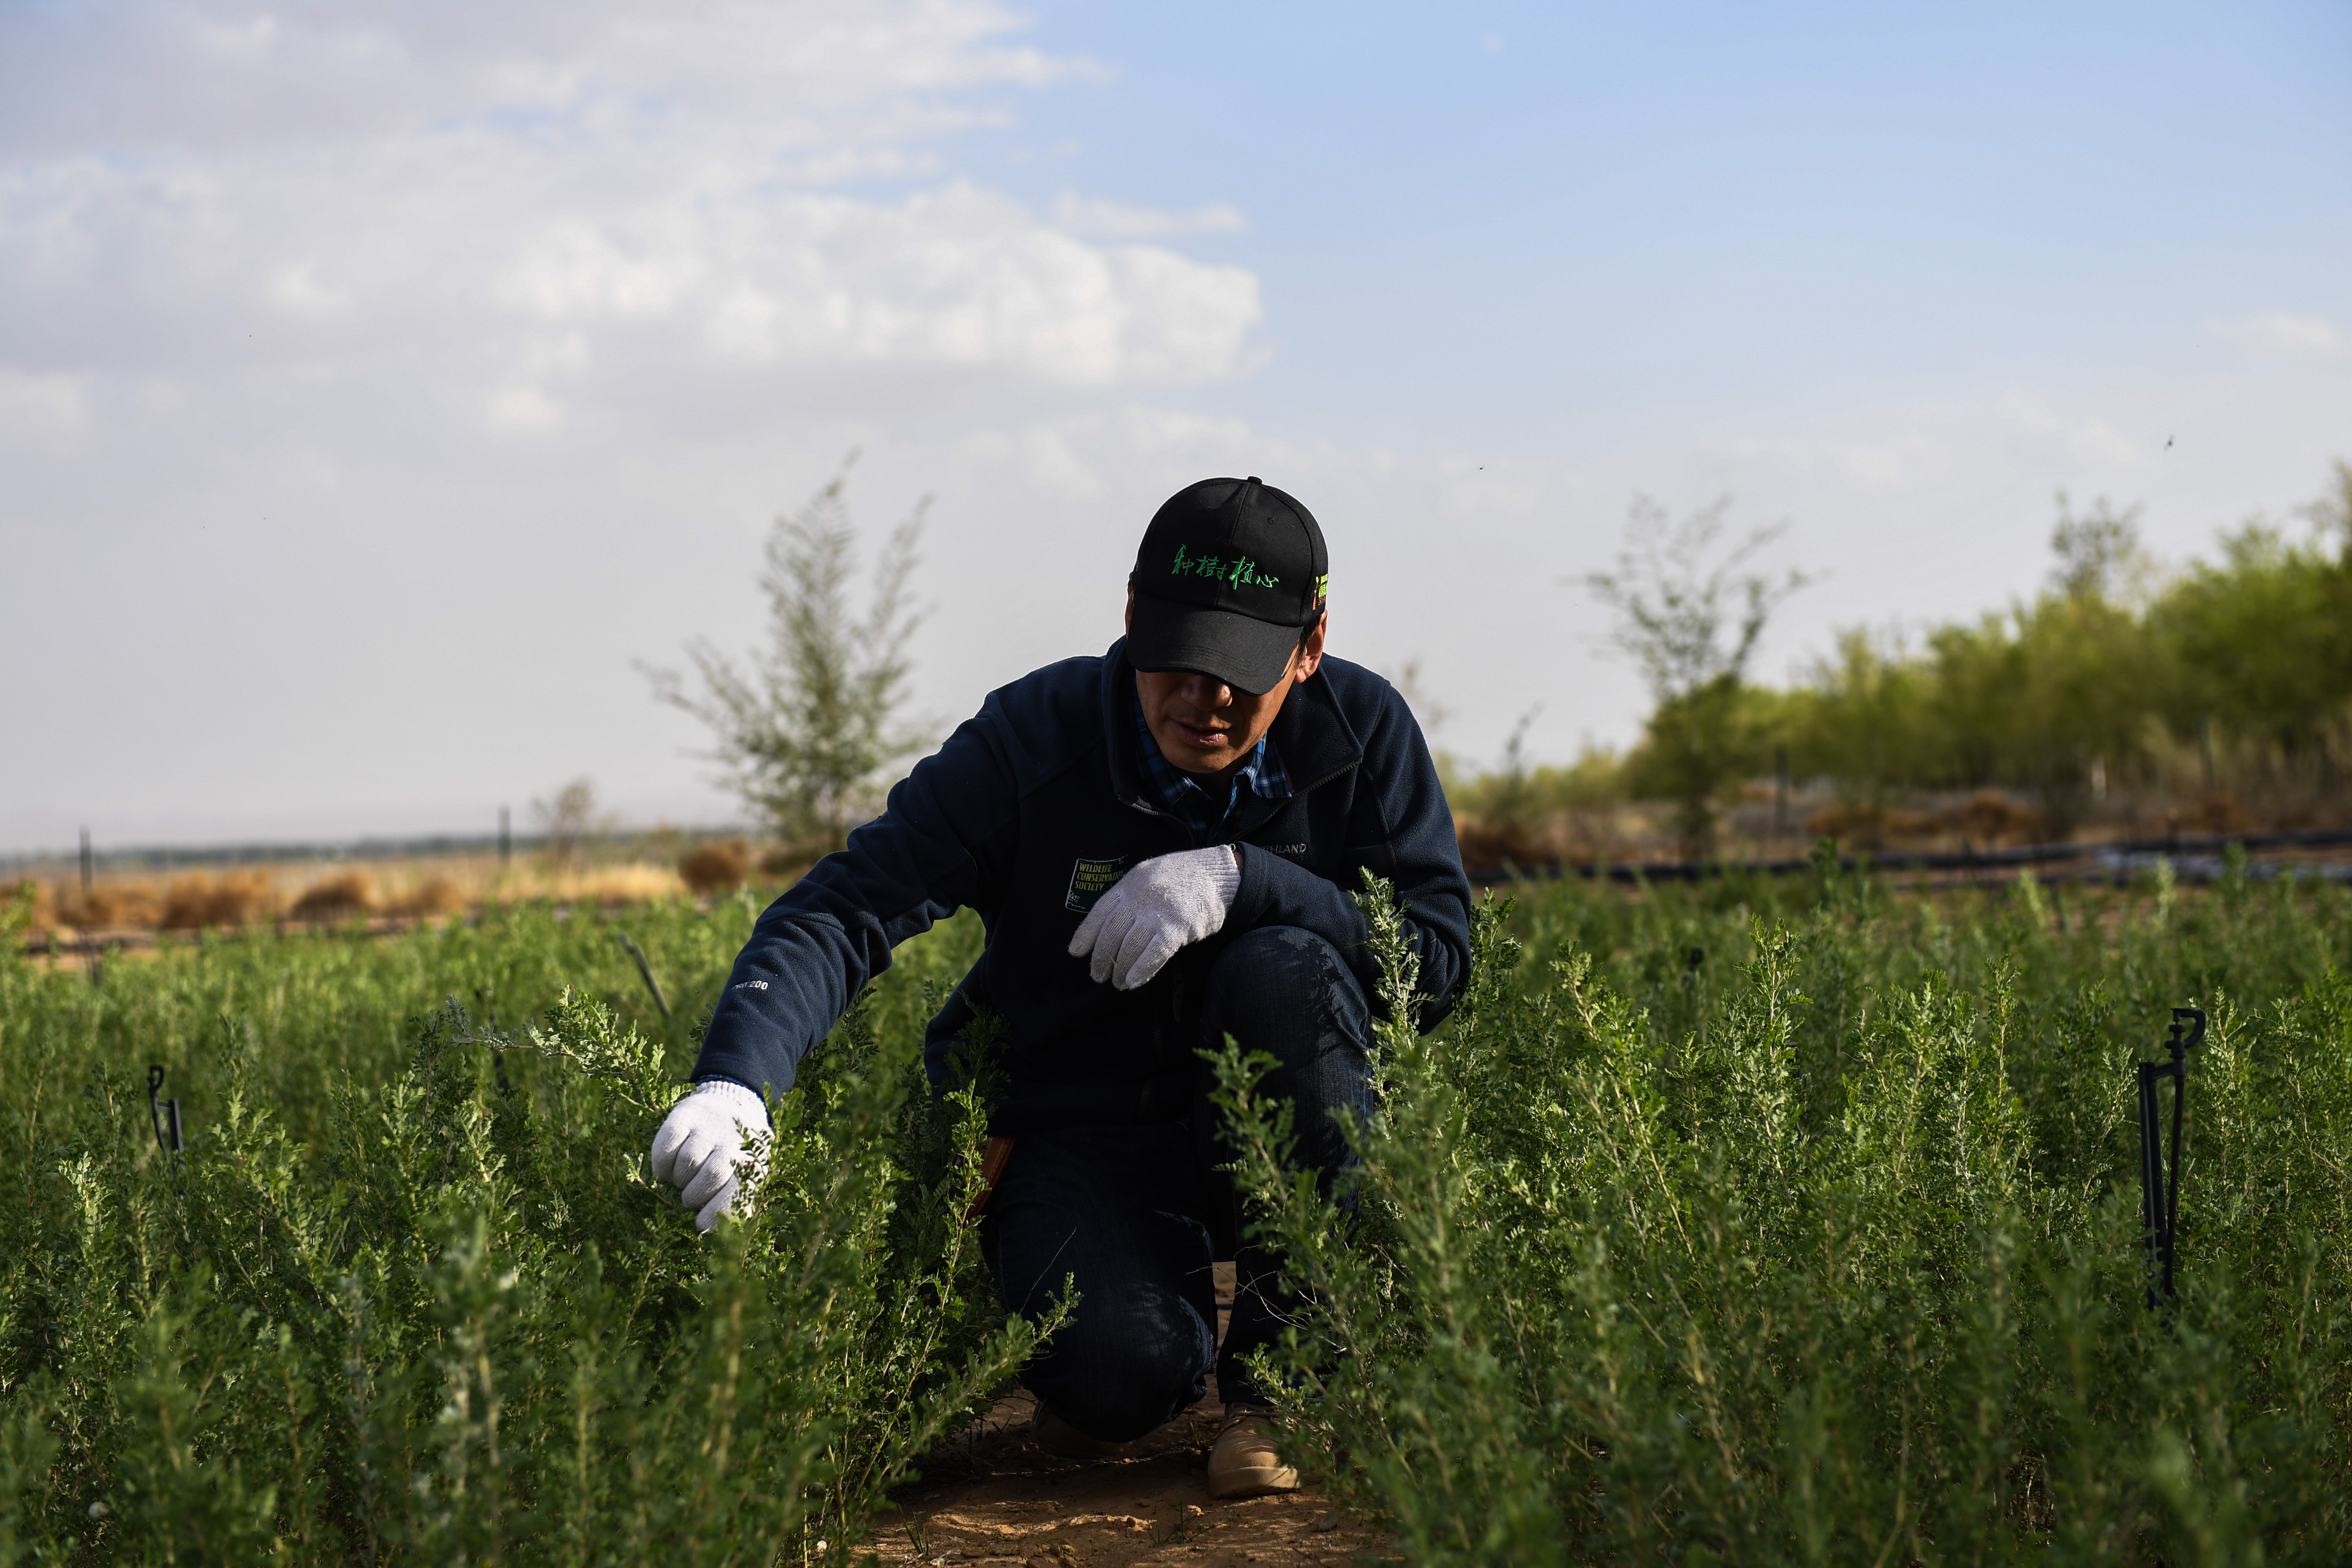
<point x="1166" y="903"/>
<point x="699" y="1148"/>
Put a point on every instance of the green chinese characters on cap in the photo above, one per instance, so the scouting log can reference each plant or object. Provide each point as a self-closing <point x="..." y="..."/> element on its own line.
<point x="1242" y="573"/>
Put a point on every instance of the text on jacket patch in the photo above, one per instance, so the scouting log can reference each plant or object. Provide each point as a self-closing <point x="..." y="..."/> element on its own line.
<point x="1090" y="880"/>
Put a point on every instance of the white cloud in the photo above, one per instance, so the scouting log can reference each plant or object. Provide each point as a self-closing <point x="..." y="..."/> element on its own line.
<point x="524" y="408"/>
<point x="1115" y="220"/>
<point x="35" y="407"/>
<point x="215" y="77"/>
<point x="1865" y="463"/>
<point x="299" y="290"/>
<point x="2091" y="439"/>
<point x="476" y="339"/>
<point x="1164" y="433"/>
<point x="2278" y="332"/>
<point x="1055" y="466"/>
<point x="1071" y="455"/>
<point x="396" y="193"/>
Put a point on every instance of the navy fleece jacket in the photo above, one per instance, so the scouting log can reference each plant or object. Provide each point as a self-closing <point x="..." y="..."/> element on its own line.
<point x="1030" y="810"/>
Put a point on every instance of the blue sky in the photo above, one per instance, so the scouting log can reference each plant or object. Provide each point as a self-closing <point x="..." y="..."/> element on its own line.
<point x="1548" y="209"/>
<point x="385" y="381"/>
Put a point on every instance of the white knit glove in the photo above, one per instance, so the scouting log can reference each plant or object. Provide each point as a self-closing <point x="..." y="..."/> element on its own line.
<point x="700" y="1147"/>
<point x="1162" y="905"/>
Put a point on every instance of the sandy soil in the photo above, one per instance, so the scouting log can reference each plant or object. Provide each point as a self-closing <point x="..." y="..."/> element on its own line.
<point x="997" y="1498"/>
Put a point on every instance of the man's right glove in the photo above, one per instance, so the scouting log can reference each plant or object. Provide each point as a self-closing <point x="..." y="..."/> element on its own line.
<point x="699" y="1148"/>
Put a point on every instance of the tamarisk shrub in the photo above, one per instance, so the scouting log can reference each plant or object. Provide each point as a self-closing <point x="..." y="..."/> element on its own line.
<point x="1829" y="1251"/>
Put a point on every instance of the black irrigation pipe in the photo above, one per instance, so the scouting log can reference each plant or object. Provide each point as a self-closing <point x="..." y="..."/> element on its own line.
<point x="2120" y="857"/>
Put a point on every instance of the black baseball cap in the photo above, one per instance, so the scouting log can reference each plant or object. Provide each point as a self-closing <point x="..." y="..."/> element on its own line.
<point x="1226" y="583"/>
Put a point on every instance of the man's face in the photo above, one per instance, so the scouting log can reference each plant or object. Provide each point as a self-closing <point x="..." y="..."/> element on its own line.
<point x="1204" y="726"/>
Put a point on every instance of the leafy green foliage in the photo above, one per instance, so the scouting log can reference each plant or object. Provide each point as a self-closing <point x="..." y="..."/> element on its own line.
<point x="1754" y="1221"/>
<point x="431" y="1306"/>
<point x="2247" y="659"/>
<point x="2264" y="641"/>
<point x="2229" y="677"/>
<point x="1700" y="1237"/>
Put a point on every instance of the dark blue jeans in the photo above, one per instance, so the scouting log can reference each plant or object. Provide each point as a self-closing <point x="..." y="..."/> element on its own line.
<point x="1134" y="1215"/>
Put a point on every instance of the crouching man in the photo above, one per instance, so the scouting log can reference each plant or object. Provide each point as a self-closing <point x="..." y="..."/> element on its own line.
<point x="1161" y="843"/>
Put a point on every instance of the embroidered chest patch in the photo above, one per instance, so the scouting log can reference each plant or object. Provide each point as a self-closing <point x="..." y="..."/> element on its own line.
<point x="1090" y="880"/>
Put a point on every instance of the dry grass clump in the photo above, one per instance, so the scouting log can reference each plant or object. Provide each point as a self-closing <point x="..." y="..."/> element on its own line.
<point x="337" y="897"/>
<point x="107" y="905"/>
<point x="436" y="894"/>
<point x="201" y="901"/>
<point x="350" y="894"/>
<point x="715" y="867"/>
<point x="1987" y="819"/>
<point x="1853" y="822"/>
<point x="2209" y="814"/>
<point x="1487" y="843"/>
<point x="401" y="890"/>
<point x="1992" y="818"/>
<point x="1575" y="835"/>
<point x="633" y="884"/>
<point x="788" y="862"/>
<point x="40" y="906"/>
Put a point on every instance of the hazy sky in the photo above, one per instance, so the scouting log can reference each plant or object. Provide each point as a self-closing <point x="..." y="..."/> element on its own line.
<point x="378" y="382"/>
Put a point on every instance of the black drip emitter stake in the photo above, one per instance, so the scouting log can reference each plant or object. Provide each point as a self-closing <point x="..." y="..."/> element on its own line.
<point x="2160" y="1195"/>
<point x="647" y="970"/>
<point x="164" y="1115"/>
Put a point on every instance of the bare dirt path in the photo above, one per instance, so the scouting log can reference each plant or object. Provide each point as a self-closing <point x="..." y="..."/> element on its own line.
<point x="998" y="1499"/>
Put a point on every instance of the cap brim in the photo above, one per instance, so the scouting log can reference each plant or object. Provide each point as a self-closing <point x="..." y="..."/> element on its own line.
<point x="1245" y="653"/>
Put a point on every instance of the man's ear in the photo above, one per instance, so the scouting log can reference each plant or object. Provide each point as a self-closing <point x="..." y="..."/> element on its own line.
<point x="1130" y="623"/>
<point x="1310" y="652"/>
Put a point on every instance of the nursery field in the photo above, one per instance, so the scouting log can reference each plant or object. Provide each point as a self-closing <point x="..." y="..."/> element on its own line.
<point x="1749" y="1222"/>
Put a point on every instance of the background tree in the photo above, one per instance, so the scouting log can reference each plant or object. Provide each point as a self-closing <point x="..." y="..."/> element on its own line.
<point x="2245" y="659"/>
<point x="2049" y="697"/>
<point x="1861" y="721"/>
<point x="2079" y="715"/>
<point x="807" y="730"/>
<point x="1689" y="614"/>
<point x="1508" y="804"/>
<point x="567" y="819"/>
<point x="2099" y="555"/>
<point x="2263" y="641"/>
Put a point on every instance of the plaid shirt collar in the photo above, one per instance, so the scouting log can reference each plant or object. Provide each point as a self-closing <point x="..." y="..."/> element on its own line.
<point x="1202" y="807"/>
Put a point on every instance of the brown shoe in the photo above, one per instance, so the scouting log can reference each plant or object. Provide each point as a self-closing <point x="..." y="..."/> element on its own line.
<point x="1243" y="1462"/>
<point x="1058" y="1437"/>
